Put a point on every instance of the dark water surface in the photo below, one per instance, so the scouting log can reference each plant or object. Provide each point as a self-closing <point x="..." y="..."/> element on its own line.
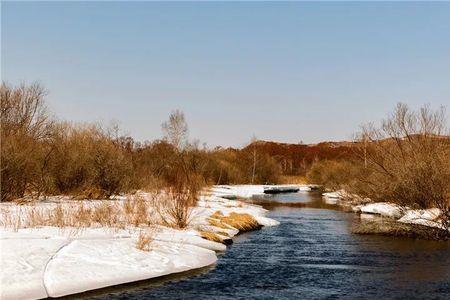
<point x="311" y="255"/>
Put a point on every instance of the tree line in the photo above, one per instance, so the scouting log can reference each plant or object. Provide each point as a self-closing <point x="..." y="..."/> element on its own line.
<point x="41" y="155"/>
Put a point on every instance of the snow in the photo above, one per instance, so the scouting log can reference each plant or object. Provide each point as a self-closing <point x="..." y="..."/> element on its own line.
<point x="426" y="217"/>
<point x="40" y="262"/>
<point x="263" y="221"/>
<point x="384" y="209"/>
<point x="23" y="263"/>
<point x="104" y="263"/>
<point x="248" y="191"/>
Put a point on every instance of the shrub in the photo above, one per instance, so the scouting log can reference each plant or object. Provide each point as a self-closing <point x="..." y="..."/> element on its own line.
<point x="333" y="174"/>
<point x="144" y="240"/>
<point x="407" y="160"/>
<point x="26" y="126"/>
<point x="174" y="208"/>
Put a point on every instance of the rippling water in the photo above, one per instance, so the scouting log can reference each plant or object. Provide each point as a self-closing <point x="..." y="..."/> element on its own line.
<point x="311" y="255"/>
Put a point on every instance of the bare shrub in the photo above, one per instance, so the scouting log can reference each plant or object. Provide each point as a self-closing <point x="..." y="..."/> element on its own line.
<point x="144" y="241"/>
<point x="333" y="174"/>
<point x="88" y="162"/>
<point x="138" y="211"/>
<point x="174" y="207"/>
<point x="407" y="160"/>
<point x="104" y="214"/>
<point x="25" y="126"/>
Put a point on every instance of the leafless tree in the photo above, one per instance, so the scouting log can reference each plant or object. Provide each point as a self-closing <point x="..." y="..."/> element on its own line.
<point x="175" y="130"/>
<point x="407" y="160"/>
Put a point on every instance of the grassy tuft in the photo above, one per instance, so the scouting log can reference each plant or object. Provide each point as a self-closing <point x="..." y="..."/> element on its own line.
<point x="240" y="221"/>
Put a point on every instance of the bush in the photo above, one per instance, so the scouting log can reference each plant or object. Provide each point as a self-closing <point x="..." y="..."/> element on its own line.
<point x="333" y="174"/>
<point x="26" y="129"/>
<point x="407" y="160"/>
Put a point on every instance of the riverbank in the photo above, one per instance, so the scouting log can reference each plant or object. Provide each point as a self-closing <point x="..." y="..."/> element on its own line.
<point x="54" y="261"/>
<point x="397" y="220"/>
<point x="312" y="253"/>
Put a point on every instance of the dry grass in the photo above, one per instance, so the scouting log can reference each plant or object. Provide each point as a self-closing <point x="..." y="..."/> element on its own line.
<point x="144" y="241"/>
<point x="218" y="223"/>
<point x="135" y="211"/>
<point x="223" y="233"/>
<point x="174" y="208"/>
<point x="211" y="236"/>
<point x="240" y="221"/>
<point x="397" y="229"/>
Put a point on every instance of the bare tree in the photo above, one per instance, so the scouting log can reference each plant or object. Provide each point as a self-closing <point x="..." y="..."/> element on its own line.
<point x="175" y="130"/>
<point x="26" y="128"/>
<point x="407" y="160"/>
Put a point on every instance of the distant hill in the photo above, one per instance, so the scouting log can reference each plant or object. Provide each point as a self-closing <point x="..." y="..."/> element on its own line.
<point x="294" y="159"/>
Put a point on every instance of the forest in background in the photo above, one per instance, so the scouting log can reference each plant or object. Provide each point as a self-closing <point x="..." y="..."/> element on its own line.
<point x="41" y="155"/>
<point x="405" y="160"/>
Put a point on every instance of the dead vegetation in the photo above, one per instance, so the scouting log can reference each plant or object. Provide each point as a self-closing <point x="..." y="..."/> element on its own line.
<point x="211" y="236"/>
<point x="397" y="229"/>
<point x="240" y="221"/>
<point x="41" y="156"/>
<point x="174" y="208"/>
<point x="133" y="212"/>
<point x="405" y="160"/>
<point x="144" y="240"/>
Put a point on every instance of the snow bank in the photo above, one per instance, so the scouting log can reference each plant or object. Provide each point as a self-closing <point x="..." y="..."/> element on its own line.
<point x="49" y="261"/>
<point x="426" y="217"/>
<point x="263" y="221"/>
<point x="241" y="191"/>
<point x="248" y="191"/>
<point x="384" y="209"/>
<point x="23" y="263"/>
<point x="86" y="265"/>
<point x="334" y="195"/>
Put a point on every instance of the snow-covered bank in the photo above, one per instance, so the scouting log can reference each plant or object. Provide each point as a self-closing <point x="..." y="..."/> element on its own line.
<point x="425" y="217"/>
<point x="48" y="261"/>
<point x="247" y="191"/>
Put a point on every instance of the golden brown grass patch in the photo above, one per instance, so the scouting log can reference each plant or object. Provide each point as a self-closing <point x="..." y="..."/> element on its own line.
<point x="240" y="221"/>
<point x="223" y="233"/>
<point x="218" y="223"/>
<point x="211" y="236"/>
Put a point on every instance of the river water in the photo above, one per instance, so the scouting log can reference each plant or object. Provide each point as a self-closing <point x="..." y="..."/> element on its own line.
<point x="311" y="255"/>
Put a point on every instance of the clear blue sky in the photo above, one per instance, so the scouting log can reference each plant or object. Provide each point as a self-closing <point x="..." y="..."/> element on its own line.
<point x="280" y="71"/>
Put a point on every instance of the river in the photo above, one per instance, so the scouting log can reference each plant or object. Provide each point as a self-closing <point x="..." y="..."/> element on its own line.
<point x="311" y="255"/>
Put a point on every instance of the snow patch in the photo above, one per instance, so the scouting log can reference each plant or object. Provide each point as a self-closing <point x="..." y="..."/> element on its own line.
<point x="384" y="209"/>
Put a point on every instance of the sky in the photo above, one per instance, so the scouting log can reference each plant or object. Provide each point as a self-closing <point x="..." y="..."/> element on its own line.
<point x="289" y="72"/>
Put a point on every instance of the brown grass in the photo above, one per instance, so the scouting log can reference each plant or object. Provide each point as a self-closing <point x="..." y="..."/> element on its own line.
<point x="240" y="221"/>
<point x="175" y="207"/>
<point x="218" y="223"/>
<point x="134" y="211"/>
<point x="144" y="241"/>
<point x="211" y="236"/>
